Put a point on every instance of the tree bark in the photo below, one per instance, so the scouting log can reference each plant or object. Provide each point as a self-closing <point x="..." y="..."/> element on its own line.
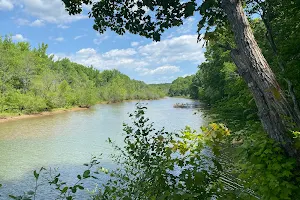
<point x="276" y="115"/>
<point x="270" y="38"/>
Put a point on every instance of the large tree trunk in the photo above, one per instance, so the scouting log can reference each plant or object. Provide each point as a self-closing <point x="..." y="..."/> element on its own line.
<point x="270" y="38"/>
<point x="276" y="115"/>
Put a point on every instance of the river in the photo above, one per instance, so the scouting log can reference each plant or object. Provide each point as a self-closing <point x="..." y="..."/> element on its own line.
<point x="68" y="140"/>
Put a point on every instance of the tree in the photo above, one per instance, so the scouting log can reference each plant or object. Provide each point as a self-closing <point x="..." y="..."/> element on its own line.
<point x="31" y="82"/>
<point x="275" y="112"/>
<point x="268" y="10"/>
<point x="181" y="86"/>
<point x="276" y="115"/>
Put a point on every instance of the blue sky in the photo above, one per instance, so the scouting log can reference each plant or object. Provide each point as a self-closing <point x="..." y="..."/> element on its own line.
<point x="38" y="21"/>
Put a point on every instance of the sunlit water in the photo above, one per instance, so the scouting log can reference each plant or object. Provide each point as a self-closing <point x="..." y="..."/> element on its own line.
<point x="69" y="139"/>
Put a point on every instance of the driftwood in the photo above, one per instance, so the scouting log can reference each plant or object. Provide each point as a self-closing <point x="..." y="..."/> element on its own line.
<point x="186" y="105"/>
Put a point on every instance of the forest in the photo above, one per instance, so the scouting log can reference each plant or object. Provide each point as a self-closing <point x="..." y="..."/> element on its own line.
<point x="32" y="82"/>
<point x="249" y="81"/>
<point x="219" y="84"/>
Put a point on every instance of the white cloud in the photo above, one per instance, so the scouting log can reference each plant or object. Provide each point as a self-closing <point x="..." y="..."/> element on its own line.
<point x="187" y="26"/>
<point x="119" y="53"/>
<point x="63" y="26"/>
<point x="166" y="69"/>
<point x="100" y="38"/>
<point x="90" y="56"/>
<point x="25" y="22"/>
<point x="22" y="22"/>
<point x="49" y="11"/>
<point x="37" y="23"/>
<point x="19" y="38"/>
<point x="134" y="44"/>
<point x="185" y="75"/>
<point x="6" y="5"/>
<point x="164" y="79"/>
<point x="57" y="39"/>
<point x="78" y="37"/>
<point x="87" y="51"/>
<point x="155" y="60"/>
<point x="170" y="36"/>
<point x="176" y="49"/>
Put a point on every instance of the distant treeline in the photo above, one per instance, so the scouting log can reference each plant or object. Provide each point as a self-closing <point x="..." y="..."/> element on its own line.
<point x="181" y="86"/>
<point x="31" y="81"/>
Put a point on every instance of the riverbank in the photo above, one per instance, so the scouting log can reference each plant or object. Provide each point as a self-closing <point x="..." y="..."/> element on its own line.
<point x="18" y="116"/>
<point x="6" y="117"/>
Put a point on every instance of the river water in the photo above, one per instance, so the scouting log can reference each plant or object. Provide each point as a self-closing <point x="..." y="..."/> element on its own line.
<point x="68" y="140"/>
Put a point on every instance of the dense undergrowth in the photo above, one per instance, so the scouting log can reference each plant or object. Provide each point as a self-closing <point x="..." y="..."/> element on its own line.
<point x="259" y="161"/>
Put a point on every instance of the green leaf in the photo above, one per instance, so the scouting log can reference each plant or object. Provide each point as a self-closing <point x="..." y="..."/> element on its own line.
<point x="55" y="180"/>
<point x="80" y="187"/>
<point x="30" y="192"/>
<point x="74" y="189"/>
<point x="189" y="9"/>
<point x="86" y="174"/>
<point x="12" y="197"/>
<point x="156" y="36"/>
<point x="36" y="175"/>
<point x="64" y="190"/>
<point x="79" y="177"/>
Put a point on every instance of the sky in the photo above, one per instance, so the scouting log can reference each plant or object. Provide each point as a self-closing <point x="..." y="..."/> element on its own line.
<point x="46" y="21"/>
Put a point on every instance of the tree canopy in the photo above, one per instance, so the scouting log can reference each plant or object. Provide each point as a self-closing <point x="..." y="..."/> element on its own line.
<point x="31" y="82"/>
<point x="152" y="17"/>
<point x="146" y="18"/>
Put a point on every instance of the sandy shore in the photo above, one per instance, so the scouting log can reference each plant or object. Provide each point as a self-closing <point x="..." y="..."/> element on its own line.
<point x="19" y="117"/>
<point x="53" y="112"/>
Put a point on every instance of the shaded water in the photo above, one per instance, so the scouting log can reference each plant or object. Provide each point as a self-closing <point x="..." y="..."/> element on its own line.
<point x="68" y="140"/>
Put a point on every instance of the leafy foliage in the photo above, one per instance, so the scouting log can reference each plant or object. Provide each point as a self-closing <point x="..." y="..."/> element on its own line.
<point x="281" y="28"/>
<point x="216" y="15"/>
<point x="155" y="164"/>
<point x="31" y="82"/>
<point x="149" y="18"/>
<point x="181" y="86"/>
<point x="146" y="18"/>
<point x="260" y="162"/>
<point x="53" y="178"/>
<point x="264" y="167"/>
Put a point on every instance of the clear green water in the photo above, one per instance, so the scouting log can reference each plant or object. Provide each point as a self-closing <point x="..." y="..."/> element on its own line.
<point x="68" y="140"/>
